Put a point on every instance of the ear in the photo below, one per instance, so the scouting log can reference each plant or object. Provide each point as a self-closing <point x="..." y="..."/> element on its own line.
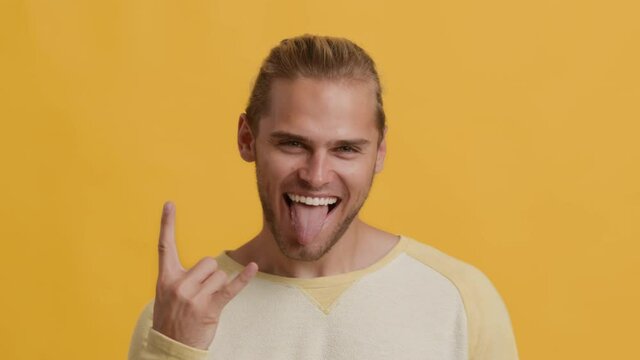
<point x="382" y="152"/>
<point x="246" y="140"/>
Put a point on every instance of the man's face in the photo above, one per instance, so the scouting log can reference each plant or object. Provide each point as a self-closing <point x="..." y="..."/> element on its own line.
<point x="316" y="155"/>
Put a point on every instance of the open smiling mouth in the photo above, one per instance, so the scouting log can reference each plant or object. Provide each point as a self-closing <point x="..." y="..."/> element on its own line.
<point x="309" y="214"/>
<point x="330" y="202"/>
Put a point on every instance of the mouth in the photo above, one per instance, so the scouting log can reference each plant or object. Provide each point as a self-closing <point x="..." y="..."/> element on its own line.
<point x="331" y="202"/>
<point x="309" y="214"/>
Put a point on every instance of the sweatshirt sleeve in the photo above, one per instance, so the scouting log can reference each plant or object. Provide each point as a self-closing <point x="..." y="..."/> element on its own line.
<point x="489" y="330"/>
<point x="149" y="344"/>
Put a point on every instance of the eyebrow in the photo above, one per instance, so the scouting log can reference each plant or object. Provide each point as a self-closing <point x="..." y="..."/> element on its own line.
<point x="283" y="135"/>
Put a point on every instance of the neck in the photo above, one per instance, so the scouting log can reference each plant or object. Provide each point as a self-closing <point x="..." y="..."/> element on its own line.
<point x="360" y="246"/>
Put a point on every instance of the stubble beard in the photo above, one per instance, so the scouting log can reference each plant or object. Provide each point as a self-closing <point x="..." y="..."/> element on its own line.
<point x="299" y="252"/>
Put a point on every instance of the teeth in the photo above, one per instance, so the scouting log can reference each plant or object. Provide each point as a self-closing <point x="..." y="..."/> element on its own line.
<point x="313" y="201"/>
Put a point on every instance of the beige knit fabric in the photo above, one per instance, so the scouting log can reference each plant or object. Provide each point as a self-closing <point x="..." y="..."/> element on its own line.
<point x="414" y="303"/>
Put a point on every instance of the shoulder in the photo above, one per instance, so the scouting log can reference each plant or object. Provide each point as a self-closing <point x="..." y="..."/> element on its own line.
<point x="490" y="333"/>
<point x="463" y="275"/>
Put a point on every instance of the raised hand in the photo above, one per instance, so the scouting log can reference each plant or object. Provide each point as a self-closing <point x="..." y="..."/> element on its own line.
<point x="188" y="303"/>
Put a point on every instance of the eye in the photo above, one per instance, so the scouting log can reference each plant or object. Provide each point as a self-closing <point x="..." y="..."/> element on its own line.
<point x="292" y="146"/>
<point x="292" y="143"/>
<point x="347" y="149"/>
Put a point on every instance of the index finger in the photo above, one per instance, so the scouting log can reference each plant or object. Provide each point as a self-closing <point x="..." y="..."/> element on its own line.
<point x="167" y="251"/>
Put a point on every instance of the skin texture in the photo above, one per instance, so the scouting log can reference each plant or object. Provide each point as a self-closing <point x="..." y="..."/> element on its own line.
<point x="319" y="139"/>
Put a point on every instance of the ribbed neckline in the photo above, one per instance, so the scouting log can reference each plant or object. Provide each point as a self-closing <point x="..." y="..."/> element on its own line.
<point x="322" y="281"/>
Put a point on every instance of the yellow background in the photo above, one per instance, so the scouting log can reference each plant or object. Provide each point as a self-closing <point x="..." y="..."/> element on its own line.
<point x="513" y="145"/>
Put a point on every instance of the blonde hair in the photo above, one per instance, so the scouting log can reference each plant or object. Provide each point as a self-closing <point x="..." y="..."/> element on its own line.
<point x="316" y="57"/>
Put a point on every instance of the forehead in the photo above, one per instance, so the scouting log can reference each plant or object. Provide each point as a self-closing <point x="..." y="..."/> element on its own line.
<point x="322" y="108"/>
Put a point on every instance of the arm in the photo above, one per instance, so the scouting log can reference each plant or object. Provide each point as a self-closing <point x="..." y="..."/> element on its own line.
<point x="148" y="344"/>
<point x="489" y="326"/>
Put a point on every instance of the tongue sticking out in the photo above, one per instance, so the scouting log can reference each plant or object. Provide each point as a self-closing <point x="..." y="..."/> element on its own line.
<point x="308" y="220"/>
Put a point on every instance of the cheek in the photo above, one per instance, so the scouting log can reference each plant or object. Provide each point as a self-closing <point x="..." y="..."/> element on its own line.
<point x="356" y="175"/>
<point x="277" y="168"/>
<point x="282" y="164"/>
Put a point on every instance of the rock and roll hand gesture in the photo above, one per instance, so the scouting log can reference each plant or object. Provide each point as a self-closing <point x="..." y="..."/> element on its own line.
<point x="188" y="303"/>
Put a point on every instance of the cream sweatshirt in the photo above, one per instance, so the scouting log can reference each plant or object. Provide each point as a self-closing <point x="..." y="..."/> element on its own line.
<point x="415" y="303"/>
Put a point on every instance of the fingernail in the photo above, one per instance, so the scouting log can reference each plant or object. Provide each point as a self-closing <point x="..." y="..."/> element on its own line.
<point x="168" y="206"/>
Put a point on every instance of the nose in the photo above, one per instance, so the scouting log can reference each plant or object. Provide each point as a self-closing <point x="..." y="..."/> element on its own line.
<point x="317" y="170"/>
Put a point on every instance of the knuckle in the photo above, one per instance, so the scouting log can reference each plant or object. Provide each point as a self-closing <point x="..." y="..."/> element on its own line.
<point x="209" y="262"/>
<point x="226" y="294"/>
<point x="180" y="291"/>
<point x="221" y="279"/>
<point x="162" y="247"/>
<point x="163" y="285"/>
<point x="191" y="303"/>
<point x="243" y="278"/>
<point x="164" y="278"/>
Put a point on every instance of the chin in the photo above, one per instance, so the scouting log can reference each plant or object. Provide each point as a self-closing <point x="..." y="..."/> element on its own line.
<point x="293" y="250"/>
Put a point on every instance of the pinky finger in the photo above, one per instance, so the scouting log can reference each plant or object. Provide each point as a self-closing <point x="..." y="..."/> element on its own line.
<point x="238" y="283"/>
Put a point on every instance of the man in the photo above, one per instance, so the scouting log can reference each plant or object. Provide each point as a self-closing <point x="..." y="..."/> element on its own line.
<point x="329" y="285"/>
